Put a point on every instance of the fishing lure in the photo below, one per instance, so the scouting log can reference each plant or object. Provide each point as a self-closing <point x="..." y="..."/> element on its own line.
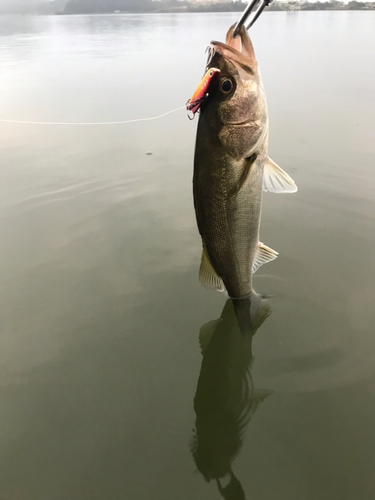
<point x="201" y="92"/>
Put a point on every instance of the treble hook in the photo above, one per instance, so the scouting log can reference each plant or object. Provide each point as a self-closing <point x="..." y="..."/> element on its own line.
<point x="249" y="11"/>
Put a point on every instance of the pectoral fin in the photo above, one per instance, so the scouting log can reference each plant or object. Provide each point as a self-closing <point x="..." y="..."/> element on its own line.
<point x="264" y="254"/>
<point x="245" y="174"/>
<point x="276" y="180"/>
<point x="207" y="274"/>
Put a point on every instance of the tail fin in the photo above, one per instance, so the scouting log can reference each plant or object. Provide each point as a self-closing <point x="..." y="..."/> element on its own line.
<point x="251" y="313"/>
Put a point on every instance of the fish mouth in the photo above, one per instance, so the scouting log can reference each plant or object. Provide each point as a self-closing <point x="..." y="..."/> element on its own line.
<point x="235" y="124"/>
<point x="239" y="51"/>
<point x="241" y="124"/>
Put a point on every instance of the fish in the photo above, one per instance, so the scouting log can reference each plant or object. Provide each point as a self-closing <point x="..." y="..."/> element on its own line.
<point x="232" y="167"/>
<point x="226" y="397"/>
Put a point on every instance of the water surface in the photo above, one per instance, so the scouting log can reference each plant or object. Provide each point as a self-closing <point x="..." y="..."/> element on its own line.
<point x="101" y="308"/>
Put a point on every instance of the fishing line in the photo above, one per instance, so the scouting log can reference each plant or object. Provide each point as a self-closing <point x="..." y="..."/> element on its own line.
<point x="22" y="122"/>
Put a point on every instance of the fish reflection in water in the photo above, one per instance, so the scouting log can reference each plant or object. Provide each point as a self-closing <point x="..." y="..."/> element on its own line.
<point x="226" y="398"/>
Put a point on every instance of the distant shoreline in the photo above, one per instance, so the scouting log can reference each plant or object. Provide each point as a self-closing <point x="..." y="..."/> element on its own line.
<point x="97" y="7"/>
<point x="199" y="12"/>
<point x="158" y="13"/>
<point x="186" y="6"/>
<point x="368" y="8"/>
<point x="204" y="12"/>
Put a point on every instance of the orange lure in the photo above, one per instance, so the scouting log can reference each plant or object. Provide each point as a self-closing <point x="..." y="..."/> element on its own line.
<point x="201" y="92"/>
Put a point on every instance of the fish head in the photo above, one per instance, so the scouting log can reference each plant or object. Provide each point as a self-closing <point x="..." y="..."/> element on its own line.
<point x="236" y="106"/>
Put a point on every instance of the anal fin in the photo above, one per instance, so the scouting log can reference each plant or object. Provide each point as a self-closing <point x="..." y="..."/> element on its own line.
<point x="264" y="254"/>
<point x="207" y="274"/>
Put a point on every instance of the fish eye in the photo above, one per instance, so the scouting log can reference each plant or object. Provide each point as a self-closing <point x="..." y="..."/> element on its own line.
<point x="226" y="86"/>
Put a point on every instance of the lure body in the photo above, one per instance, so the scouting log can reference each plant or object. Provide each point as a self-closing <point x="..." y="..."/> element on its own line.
<point x="201" y="92"/>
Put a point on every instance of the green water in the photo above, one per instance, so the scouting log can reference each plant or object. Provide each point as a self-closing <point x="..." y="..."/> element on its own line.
<point x="101" y="308"/>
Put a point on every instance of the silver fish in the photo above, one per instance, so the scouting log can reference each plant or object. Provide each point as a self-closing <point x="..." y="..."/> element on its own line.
<point x="232" y="168"/>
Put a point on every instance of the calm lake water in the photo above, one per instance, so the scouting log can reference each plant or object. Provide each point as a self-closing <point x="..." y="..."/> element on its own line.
<point x="101" y="308"/>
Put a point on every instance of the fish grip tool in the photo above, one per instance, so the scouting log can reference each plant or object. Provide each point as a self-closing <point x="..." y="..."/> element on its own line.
<point x="250" y="15"/>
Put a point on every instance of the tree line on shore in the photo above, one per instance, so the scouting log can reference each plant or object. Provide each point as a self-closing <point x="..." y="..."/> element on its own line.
<point x="140" y="6"/>
<point x="110" y="6"/>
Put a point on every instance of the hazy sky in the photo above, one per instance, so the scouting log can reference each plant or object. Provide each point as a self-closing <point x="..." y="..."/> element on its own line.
<point x="20" y="2"/>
